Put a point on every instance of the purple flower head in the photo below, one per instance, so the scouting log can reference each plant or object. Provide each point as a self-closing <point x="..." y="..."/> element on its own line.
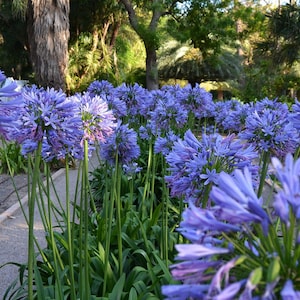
<point x="101" y="88"/>
<point x="197" y="100"/>
<point x="122" y="144"/>
<point x="169" y="114"/>
<point x="131" y="169"/>
<point x="270" y="104"/>
<point x="8" y="87"/>
<point x="194" y="163"/>
<point x="47" y="116"/>
<point x="164" y="144"/>
<point x="9" y="117"/>
<point x="271" y="130"/>
<point x="98" y="121"/>
<point x="258" y="262"/>
<point x="295" y="115"/>
<point x="288" y="292"/>
<point x="135" y="97"/>
<point x="236" y="200"/>
<point x="289" y="196"/>
<point x="231" y="114"/>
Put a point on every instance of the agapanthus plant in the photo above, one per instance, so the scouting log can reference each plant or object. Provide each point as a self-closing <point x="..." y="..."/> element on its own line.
<point x="270" y="130"/>
<point x="136" y="99"/>
<point x="195" y="164"/>
<point x="230" y="115"/>
<point x="8" y="88"/>
<point x="240" y="247"/>
<point x="46" y="116"/>
<point x="122" y="144"/>
<point x="9" y="106"/>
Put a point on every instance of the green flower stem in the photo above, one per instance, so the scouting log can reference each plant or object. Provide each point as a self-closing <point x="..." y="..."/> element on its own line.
<point x="31" y="206"/>
<point x="146" y="186"/>
<point x="288" y="240"/>
<point x="69" y="233"/>
<point x="263" y="173"/>
<point x="153" y="177"/>
<point x="109" y="213"/>
<point x="118" y="215"/>
<point x="85" y="182"/>
<point x="56" y="255"/>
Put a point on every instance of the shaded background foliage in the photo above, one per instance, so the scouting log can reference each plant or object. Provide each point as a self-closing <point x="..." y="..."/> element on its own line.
<point x="252" y="48"/>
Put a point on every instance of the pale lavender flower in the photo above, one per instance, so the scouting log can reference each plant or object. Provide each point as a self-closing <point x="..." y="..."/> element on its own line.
<point x="195" y="251"/>
<point x="98" y="121"/>
<point x="8" y="88"/>
<point x="231" y="291"/>
<point x="122" y="144"/>
<point x="194" y="271"/>
<point x="288" y="292"/>
<point x="222" y="277"/>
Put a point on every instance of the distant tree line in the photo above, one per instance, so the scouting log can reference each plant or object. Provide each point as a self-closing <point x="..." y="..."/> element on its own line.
<point x="67" y="44"/>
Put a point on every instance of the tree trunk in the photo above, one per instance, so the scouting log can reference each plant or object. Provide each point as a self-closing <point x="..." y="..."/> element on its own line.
<point x="151" y="68"/>
<point x="48" y="36"/>
<point x="149" y="37"/>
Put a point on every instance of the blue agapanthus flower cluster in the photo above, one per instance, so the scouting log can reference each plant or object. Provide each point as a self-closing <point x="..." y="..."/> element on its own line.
<point x="168" y="113"/>
<point x="240" y="248"/>
<point x="269" y="128"/>
<point x="164" y="144"/>
<point x="121" y="147"/>
<point x="195" y="100"/>
<point x="230" y="115"/>
<point x="47" y="116"/>
<point x="8" y="88"/>
<point x="135" y="97"/>
<point x="195" y="163"/>
<point x="8" y="105"/>
<point x="98" y="120"/>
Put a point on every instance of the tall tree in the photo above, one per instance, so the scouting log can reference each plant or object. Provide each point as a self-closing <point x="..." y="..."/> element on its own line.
<point x="284" y="39"/>
<point x="48" y="32"/>
<point x="94" y="27"/>
<point x="149" y="32"/>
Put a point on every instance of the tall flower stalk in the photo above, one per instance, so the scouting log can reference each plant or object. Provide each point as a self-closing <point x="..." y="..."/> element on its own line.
<point x="239" y="248"/>
<point x="98" y="125"/>
<point x="31" y="207"/>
